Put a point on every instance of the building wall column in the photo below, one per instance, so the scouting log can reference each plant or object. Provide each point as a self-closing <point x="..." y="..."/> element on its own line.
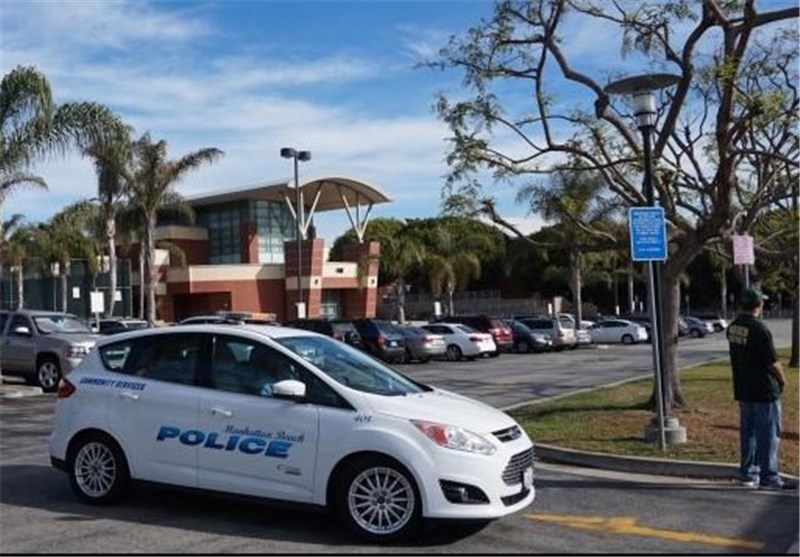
<point x="362" y="302"/>
<point x="248" y="242"/>
<point x="312" y="260"/>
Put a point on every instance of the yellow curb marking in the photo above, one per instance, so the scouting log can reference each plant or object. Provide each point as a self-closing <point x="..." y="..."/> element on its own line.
<point x="627" y="525"/>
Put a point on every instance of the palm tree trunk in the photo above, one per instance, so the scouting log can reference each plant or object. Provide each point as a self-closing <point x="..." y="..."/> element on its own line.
<point x="631" y="308"/>
<point x="20" y="287"/>
<point x="150" y="270"/>
<point x="401" y="301"/>
<point x="450" y="299"/>
<point x="64" y="284"/>
<point x="111" y="233"/>
<point x="576" y="284"/>
<point x="723" y="293"/>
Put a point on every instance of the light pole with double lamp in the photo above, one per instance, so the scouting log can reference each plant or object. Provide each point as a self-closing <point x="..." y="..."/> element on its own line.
<point x="299" y="217"/>
<point x="641" y="88"/>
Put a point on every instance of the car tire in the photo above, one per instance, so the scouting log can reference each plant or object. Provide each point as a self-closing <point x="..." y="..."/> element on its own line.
<point x="453" y="353"/>
<point x="627" y="339"/>
<point x="378" y="500"/>
<point x="98" y="471"/>
<point x="48" y="373"/>
<point x="695" y="333"/>
<point x="523" y="347"/>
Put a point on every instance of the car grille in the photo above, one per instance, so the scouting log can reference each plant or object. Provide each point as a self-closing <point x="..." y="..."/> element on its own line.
<point x="516" y="498"/>
<point x="512" y="474"/>
<point x="508" y="434"/>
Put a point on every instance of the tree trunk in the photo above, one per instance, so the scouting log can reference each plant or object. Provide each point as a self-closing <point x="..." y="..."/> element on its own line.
<point x="151" y="272"/>
<point x="793" y="357"/>
<point x="64" y="278"/>
<point x="401" y="301"/>
<point x="723" y="289"/>
<point x="450" y="299"/>
<point x="670" y="302"/>
<point x="111" y="233"/>
<point x="20" y="287"/>
<point x="576" y="284"/>
<point x="631" y="307"/>
<point x="141" y="281"/>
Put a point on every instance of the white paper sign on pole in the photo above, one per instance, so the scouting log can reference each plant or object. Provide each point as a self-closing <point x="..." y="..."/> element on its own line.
<point x="76" y="292"/>
<point x="96" y="302"/>
<point x="743" y="253"/>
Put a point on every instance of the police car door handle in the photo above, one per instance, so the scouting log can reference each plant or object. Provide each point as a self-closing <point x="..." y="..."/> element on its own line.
<point x="221" y="411"/>
<point x="128" y="396"/>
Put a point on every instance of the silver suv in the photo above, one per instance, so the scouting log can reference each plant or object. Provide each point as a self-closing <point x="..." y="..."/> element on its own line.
<point x="41" y="346"/>
<point x="560" y="330"/>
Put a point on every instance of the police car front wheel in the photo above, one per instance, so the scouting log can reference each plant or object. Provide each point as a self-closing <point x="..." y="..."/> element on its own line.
<point x="379" y="500"/>
<point x="98" y="471"/>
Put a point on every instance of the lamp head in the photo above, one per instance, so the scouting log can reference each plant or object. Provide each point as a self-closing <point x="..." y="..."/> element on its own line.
<point x="641" y="88"/>
<point x="287" y="152"/>
<point x="304" y="156"/>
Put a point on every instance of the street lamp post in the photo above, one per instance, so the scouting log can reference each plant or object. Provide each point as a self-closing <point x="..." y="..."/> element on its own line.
<point x="299" y="217"/>
<point x="641" y="88"/>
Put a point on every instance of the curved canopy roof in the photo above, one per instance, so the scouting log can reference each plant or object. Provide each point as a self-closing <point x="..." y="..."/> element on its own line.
<point x="325" y="193"/>
<point x="335" y="192"/>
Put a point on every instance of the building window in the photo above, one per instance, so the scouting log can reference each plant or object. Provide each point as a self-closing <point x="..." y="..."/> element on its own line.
<point x="275" y="226"/>
<point x="224" y="228"/>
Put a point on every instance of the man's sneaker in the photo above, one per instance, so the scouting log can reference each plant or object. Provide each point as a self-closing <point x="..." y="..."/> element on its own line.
<point x="749" y="483"/>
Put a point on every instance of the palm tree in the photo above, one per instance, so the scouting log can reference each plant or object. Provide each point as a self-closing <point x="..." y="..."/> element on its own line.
<point x="151" y="186"/>
<point x="574" y="202"/>
<point x="400" y="253"/>
<point x="111" y="158"/>
<point x="64" y="238"/>
<point x="454" y="261"/>
<point x="17" y="247"/>
<point x="32" y="126"/>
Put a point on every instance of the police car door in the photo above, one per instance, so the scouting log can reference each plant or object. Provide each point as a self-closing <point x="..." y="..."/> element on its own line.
<point x="154" y="409"/>
<point x="255" y="444"/>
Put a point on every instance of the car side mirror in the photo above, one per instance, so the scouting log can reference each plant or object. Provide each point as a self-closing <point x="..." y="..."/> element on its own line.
<point x="289" y="389"/>
<point x="22" y="331"/>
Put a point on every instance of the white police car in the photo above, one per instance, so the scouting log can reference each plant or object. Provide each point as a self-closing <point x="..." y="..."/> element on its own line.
<point x="288" y="415"/>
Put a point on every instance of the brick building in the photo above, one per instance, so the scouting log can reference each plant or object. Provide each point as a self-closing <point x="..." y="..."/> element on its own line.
<point x="241" y="254"/>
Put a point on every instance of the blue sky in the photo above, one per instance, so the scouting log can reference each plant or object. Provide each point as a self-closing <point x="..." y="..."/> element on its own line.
<point x="249" y="77"/>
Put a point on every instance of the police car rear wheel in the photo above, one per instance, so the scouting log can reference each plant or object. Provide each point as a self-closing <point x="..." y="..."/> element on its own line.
<point x="98" y="471"/>
<point x="379" y="500"/>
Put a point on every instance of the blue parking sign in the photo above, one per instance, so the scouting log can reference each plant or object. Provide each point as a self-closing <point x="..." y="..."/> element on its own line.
<point x="648" y="231"/>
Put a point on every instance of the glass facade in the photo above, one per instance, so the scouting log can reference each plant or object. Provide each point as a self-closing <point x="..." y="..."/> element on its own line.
<point x="274" y="224"/>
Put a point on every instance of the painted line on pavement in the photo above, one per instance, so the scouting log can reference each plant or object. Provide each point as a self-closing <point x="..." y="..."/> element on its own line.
<point x="628" y="526"/>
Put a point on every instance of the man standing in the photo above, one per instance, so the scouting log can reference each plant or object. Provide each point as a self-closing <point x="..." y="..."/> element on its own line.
<point x="758" y="382"/>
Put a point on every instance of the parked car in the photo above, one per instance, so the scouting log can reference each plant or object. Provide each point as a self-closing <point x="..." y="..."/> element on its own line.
<point x="583" y="337"/>
<point x="559" y="329"/>
<point x="463" y="341"/>
<point x="718" y="322"/>
<point x="526" y="340"/>
<point x="641" y="320"/>
<point x="501" y="334"/>
<point x="382" y="339"/>
<point x="122" y="325"/>
<point x="43" y="346"/>
<point x="422" y="345"/>
<point x="231" y="318"/>
<point x="618" y="330"/>
<point x="697" y="327"/>
<point x="288" y="415"/>
<point x="340" y="329"/>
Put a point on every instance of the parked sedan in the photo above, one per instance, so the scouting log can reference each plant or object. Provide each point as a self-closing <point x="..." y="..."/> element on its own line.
<point x="697" y="327"/>
<point x="422" y="345"/>
<point x="526" y="340"/>
<point x="463" y="341"/>
<point x="618" y="330"/>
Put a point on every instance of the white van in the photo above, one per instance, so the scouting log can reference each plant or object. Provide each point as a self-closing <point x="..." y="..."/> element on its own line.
<point x="288" y="415"/>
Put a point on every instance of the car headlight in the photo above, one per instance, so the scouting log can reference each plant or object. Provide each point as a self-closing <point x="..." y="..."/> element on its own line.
<point x="457" y="438"/>
<point x="77" y="351"/>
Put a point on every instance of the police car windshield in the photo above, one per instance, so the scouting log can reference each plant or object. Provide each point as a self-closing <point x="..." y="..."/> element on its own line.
<point x="351" y="367"/>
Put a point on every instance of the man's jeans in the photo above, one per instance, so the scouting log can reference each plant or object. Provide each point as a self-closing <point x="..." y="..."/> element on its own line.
<point x="760" y="432"/>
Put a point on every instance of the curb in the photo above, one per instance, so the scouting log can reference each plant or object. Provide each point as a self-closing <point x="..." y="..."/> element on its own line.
<point x="640" y="464"/>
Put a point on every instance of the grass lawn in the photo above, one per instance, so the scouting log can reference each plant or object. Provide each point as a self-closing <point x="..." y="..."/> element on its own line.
<point x="612" y="420"/>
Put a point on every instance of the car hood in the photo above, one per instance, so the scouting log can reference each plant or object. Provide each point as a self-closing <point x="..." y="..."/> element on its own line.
<point x="84" y="339"/>
<point x="443" y="407"/>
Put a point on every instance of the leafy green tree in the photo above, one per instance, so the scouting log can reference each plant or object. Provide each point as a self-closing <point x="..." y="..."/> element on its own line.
<point x="724" y="135"/>
<point x="151" y="183"/>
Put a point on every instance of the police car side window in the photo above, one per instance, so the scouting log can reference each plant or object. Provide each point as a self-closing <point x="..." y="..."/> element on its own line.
<point x="171" y="358"/>
<point x="244" y="366"/>
<point x="115" y="355"/>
